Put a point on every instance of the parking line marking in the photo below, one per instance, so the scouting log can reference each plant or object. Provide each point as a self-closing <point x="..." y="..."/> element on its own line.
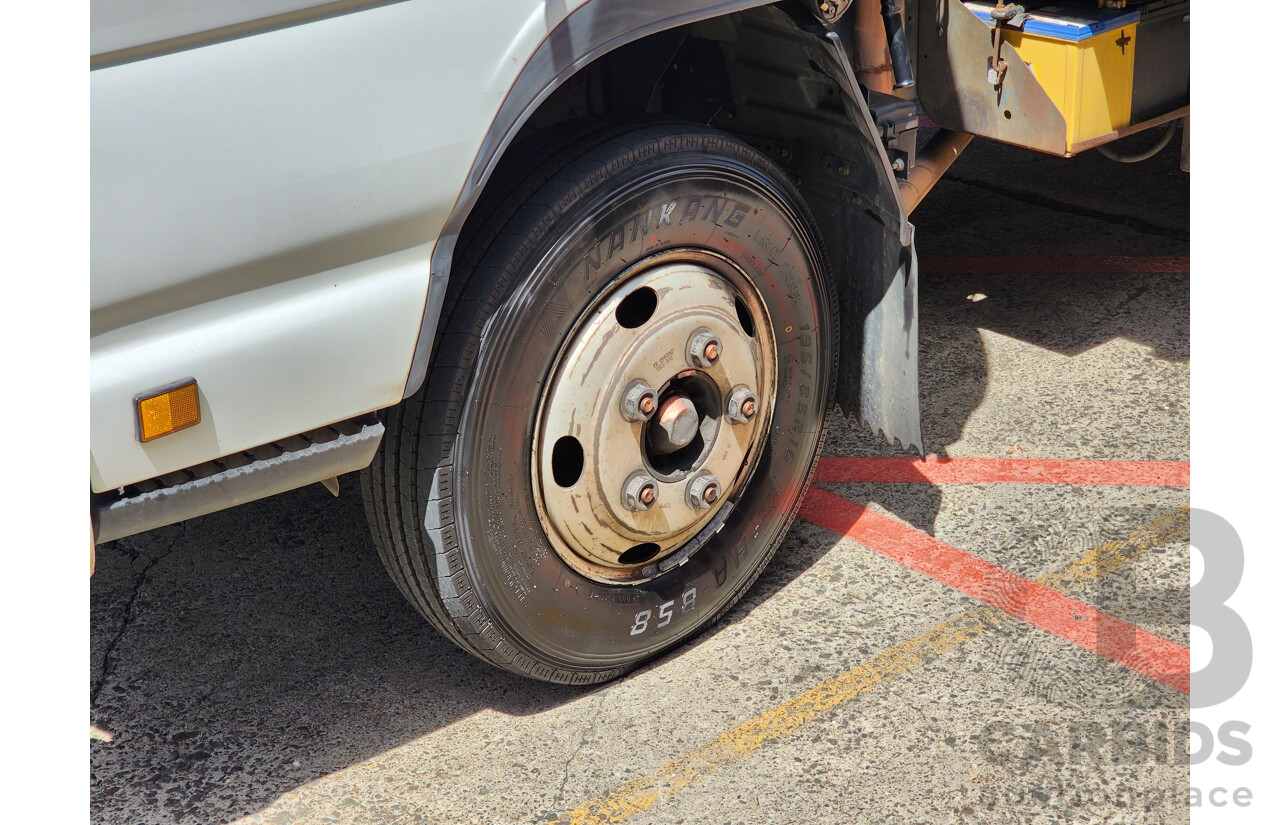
<point x="1056" y="265"/>
<point x="899" y="470"/>
<point x="642" y="793"/>
<point x="1063" y="616"/>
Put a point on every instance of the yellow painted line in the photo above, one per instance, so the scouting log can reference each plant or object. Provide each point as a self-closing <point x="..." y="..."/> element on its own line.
<point x="640" y="794"/>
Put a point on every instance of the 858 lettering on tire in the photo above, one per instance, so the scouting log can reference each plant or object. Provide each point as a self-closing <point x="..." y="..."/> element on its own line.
<point x="626" y="401"/>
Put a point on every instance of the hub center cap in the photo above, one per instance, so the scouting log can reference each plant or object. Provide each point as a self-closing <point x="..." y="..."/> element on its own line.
<point x="675" y="425"/>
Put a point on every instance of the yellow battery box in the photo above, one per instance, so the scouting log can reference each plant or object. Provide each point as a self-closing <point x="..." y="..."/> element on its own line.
<point x="1083" y="57"/>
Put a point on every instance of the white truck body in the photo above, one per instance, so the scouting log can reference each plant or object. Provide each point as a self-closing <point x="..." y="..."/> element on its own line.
<point x="265" y="207"/>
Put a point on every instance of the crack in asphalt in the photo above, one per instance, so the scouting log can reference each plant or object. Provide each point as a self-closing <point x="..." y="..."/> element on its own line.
<point x="108" y="661"/>
<point x="1047" y="202"/>
<point x="582" y="743"/>
<point x="1131" y="297"/>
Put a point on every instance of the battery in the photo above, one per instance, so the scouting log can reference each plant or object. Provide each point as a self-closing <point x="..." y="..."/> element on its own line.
<point x="1083" y="57"/>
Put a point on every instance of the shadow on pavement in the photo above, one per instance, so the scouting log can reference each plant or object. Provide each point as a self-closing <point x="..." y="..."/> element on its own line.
<point x="1006" y="202"/>
<point x="266" y="647"/>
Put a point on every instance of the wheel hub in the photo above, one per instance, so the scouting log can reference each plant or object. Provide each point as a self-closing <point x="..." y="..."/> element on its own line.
<point x="641" y="439"/>
<point x="675" y="425"/>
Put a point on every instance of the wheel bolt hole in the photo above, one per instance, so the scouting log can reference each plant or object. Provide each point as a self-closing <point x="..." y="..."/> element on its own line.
<point x="744" y="318"/>
<point x="637" y="308"/>
<point x="639" y="554"/>
<point x="567" y="460"/>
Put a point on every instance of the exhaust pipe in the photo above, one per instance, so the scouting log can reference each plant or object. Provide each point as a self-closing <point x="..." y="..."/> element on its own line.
<point x="932" y="163"/>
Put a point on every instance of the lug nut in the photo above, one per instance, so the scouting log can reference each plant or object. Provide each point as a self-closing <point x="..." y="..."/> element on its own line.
<point x="703" y="491"/>
<point x="639" y="401"/>
<point x="639" y="492"/>
<point x="742" y="405"/>
<point x="704" y="347"/>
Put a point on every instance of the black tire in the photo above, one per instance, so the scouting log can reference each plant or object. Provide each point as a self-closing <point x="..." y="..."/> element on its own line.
<point x="450" y="495"/>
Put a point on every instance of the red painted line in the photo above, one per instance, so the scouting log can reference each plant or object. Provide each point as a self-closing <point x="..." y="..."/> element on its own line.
<point x="933" y="470"/>
<point x="1063" y="616"/>
<point x="1055" y="265"/>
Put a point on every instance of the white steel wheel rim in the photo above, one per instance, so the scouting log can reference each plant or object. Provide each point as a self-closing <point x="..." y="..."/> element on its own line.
<point x="588" y="503"/>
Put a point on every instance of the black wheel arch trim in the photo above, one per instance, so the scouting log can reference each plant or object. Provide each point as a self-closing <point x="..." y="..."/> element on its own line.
<point x="870" y="240"/>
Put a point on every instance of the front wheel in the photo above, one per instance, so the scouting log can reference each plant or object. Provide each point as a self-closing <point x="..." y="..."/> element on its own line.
<point x="624" y="407"/>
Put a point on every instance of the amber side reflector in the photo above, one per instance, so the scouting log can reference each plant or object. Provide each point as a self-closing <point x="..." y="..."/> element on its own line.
<point x="168" y="410"/>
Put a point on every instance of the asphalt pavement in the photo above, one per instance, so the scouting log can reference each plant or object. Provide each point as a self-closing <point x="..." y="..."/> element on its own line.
<point x="257" y="665"/>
